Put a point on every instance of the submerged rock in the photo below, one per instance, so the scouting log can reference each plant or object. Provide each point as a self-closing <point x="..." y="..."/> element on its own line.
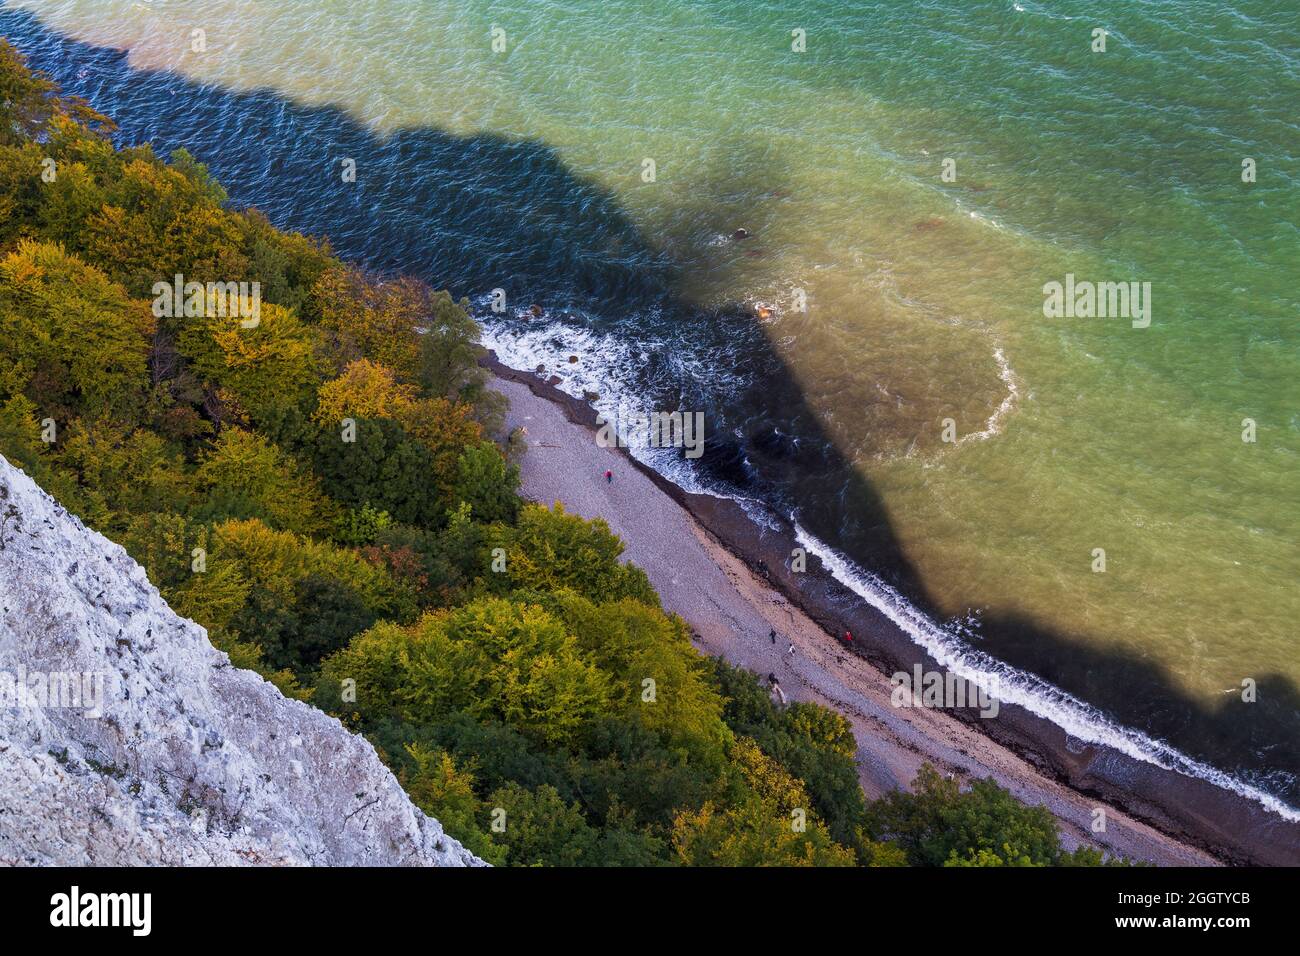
<point x="137" y="742"/>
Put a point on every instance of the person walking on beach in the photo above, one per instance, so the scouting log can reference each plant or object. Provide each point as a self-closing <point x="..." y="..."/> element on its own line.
<point x="848" y="638"/>
<point x="772" y="635"/>
<point x="609" y="477"/>
<point x="791" y="650"/>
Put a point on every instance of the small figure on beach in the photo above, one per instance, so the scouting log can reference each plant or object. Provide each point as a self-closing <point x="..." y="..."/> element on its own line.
<point x="848" y="638"/>
<point x="609" y="477"/>
<point x="790" y="650"/>
<point x="776" y="689"/>
<point x="772" y="635"/>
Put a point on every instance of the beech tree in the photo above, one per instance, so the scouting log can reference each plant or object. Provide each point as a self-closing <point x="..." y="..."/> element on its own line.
<point x="364" y="389"/>
<point x="383" y="467"/>
<point x="939" y="824"/>
<point x="549" y="549"/>
<point x="770" y="823"/>
<point x="257" y="370"/>
<point x="244" y="476"/>
<point x="487" y="483"/>
<point x="75" y="343"/>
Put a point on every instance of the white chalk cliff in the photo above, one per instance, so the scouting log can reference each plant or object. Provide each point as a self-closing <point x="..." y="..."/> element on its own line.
<point x="192" y="761"/>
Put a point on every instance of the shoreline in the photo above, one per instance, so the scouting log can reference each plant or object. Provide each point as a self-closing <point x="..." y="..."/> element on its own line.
<point x="1152" y="813"/>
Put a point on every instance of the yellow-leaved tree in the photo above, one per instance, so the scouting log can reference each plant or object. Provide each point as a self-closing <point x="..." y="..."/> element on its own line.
<point x="74" y="342"/>
<point x="254" y="369"/>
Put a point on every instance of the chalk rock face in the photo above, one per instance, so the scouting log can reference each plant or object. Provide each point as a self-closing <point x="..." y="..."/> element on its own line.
<point x="127" y="739"/>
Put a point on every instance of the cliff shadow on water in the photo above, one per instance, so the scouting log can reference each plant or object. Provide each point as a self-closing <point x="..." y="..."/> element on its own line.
<point x="475" y="213"/>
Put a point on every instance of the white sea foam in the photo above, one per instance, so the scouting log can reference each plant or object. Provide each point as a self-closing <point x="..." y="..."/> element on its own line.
<point x="606" y="367"/>
<point x="1077" y="718"/>
<point x="995" y="421"/>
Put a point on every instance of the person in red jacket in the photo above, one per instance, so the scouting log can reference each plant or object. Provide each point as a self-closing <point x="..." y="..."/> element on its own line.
<point x="609" y="477"/>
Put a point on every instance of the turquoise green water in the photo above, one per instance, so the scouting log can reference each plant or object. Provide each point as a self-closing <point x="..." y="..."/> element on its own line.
<point x="924" y="295"/>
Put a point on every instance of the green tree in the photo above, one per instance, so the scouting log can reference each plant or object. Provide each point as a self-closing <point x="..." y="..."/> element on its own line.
<point x="489" y="659"/>
<point x="487" y="483"/>
<point x="244" y="476"/>
<point x="940" y="824"/>
<point x="30" y="101"/>
<point x="322" y="615"/>
<point x="769" y="823"/>
<point x="549" y="549"/>
<point x="384" y="468"/>
<point x="124" y="472"/>
<point x="21" y="191"/>
<point x="658" y="679"/>
<point x="256" y="371"/>
<point x="541" y="829"/>
<point x="21" y="444"/>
